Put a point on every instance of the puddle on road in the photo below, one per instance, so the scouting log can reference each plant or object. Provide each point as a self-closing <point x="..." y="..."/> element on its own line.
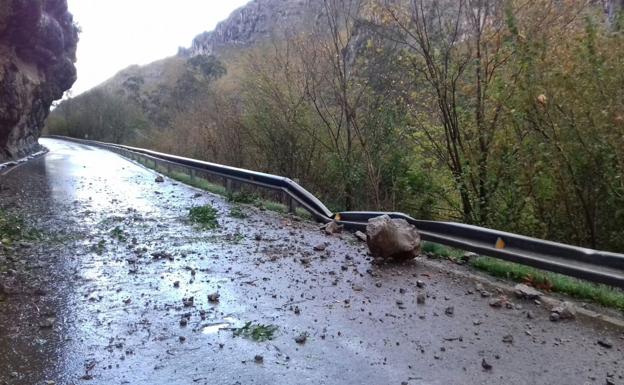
<point x="218" y="326"/>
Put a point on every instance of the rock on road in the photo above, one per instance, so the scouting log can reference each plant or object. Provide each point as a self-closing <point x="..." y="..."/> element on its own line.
<point x="101" y="298"/>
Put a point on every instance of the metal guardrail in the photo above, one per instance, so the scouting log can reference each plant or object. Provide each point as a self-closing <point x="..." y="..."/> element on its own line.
<point x="592" y="265"/>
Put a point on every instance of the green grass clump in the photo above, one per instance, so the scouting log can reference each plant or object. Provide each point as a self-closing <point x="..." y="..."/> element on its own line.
<point x="243" y="197"/>
<point x="99" y="248"/>
<point x="273" y="206"/>
<point x="118" y="234"/>
<point x="303" y="213"/>
<point x="237" y="212"/>
<point x="13" y="229"/>
<point x="256" y="332"/>
<point x="200" y="183"/>
<point x="583" y="290"/>
<point x="204" y="216"/>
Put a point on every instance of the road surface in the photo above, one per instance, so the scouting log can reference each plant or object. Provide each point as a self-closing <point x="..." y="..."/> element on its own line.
<point x="99" y="299"/>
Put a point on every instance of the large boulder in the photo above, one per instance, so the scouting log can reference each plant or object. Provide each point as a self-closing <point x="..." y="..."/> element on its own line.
<point x="394" y="239"/>
<point x="38" y="41"/>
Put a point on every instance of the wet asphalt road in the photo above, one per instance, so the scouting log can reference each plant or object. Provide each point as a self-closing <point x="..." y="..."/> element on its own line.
<point x="90" y="304"/>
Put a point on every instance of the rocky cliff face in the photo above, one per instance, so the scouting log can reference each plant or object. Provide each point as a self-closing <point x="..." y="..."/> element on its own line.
<point x="37" y="53"/>
<point x="256" y="21"/>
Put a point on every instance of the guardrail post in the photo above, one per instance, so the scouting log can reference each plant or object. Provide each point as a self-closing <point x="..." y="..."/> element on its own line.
<point x="228" y="184"/>
<point x="168" y="168"/>
<point x="192" y="173"/>
<point x="291" y="204"/>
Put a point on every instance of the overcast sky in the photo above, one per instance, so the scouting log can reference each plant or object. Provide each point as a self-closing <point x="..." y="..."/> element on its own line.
<point x="118" y="33"/>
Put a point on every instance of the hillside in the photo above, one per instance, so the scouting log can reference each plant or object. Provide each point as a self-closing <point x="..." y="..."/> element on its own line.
<point x="375" y="105"/>
<point x="158" y="92"/>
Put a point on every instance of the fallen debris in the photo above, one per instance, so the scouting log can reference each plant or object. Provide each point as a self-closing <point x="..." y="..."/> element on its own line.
<point x="360" y="235"/>
<point x="395" y="239"/>
<point x="333" y="228"/>
<point x="605" y="343"/>
<point x="526" y="292"/>
<point x="565" y="310"/>
<point x="508" y="339"/>
<point x="301" y="338"/>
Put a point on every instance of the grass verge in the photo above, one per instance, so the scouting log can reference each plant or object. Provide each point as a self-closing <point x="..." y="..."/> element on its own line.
<point x="585" y="291"/>
<point x="242" y="197"/>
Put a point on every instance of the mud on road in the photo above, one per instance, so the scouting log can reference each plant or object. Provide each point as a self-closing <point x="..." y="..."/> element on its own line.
<point x="116" y="290"/>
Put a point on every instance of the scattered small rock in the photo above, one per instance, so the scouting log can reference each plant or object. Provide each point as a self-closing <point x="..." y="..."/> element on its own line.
<point x="420" y="298"/>
<point x="301" y="338"/>
<point x="554" y="317"/>
<point x="159" y="179"/>
<point x="498" y="302"/>
<point x="320" y="247"/>
<point x="333" y="228"/>
<point x="258" y="359"/>
<point x="605" y="343"/>
<point x="188" y="302"/>
<point x="162" y="255"/>
<point x="565" y="310"/>
<point x="486" y="365"/>
<point x="508" y="339"/>
<point x="420" y="283"/>
<point x="214" y="297"/>
<point x="47" y="323"/>
<point x="526" y="292"/>
<point x="361" y="236"/>
<point x="449" y="311"/>
<point x="466" y="257"/>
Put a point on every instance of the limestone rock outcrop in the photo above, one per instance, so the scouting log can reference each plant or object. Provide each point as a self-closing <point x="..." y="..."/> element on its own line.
<point x="254" y="22"/>
<point x="38" y="41"/>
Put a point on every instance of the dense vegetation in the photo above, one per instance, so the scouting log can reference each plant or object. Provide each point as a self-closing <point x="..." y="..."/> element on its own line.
<point x="507" y="114"/>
